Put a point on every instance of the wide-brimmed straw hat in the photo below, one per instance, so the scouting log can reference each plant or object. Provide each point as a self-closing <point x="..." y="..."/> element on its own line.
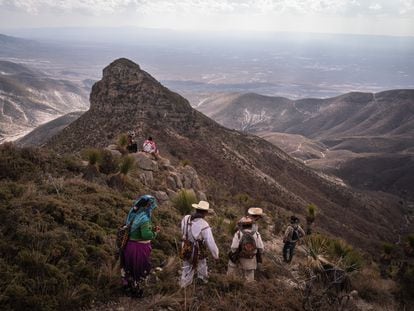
<point x="255" y="211"/>
<point x="202" y="205"/>
<point x="245" y="221"/>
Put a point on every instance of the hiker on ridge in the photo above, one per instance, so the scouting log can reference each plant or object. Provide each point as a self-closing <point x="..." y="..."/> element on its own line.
<point x="132" y="146"/>
<point x="149" y="146"/>
<point x="293" y="233"/>
<point x="135" y="259"/>
<point x="197" y="236"/>
<point x="246" y="250"/>
<point x="255" y="213"/>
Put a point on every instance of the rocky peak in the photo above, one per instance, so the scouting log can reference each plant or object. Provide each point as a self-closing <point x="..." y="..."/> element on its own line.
<point x="134" y="94"/>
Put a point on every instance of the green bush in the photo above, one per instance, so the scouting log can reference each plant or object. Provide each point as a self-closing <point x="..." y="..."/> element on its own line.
<point x="183" y="200"/>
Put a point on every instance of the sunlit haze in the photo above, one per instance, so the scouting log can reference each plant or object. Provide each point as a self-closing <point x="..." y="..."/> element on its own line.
<point x="379" y="17"/>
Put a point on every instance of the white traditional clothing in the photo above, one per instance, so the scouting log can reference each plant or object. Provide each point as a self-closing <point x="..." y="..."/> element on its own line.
<point x="198" y="230"/>
<point x="245" y="266"/>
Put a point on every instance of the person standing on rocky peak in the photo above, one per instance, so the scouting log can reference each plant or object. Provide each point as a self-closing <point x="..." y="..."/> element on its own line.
<point x="132" y="146"/>
<point x="293" y="234"/>
<point x="197" y="235"/>
<point x="149" y="146"/>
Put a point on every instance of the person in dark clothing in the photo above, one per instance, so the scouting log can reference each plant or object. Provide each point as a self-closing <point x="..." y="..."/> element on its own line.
<point x="292" y="234"/>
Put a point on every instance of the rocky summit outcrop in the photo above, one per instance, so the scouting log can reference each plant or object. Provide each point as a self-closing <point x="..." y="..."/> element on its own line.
<point x="228" y="162"/>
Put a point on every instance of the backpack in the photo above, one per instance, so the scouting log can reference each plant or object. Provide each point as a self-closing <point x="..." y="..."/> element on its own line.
<point x="295" y="235"/>
<point x="192" y="251"/>
<point x="247" y="245"/>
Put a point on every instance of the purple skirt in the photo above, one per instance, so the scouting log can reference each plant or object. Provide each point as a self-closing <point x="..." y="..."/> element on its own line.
<point x="137" y="263"/>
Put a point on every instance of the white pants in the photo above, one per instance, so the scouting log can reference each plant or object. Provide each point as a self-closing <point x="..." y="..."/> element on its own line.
<point x="188" y="272"/>
<point x="240" y="270"/>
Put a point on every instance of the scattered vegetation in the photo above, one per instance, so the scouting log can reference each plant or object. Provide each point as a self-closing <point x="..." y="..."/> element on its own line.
<point x="57" y="249"/>
<point x="183" y="200"/>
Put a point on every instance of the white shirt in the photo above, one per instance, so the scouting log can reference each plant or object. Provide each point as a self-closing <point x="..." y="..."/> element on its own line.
<point x="199" y="229"/>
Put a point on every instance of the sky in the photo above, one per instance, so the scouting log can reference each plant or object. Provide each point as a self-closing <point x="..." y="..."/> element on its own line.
<point x="373" y="17"/>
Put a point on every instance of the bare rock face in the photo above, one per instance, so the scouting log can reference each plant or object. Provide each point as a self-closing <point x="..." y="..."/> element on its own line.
<point x="143" y="161"/>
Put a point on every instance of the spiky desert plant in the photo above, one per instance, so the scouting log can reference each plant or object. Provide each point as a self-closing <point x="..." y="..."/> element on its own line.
<point x="310" y="218"/>
<point x="183" y="200"/>
<point x="122" y="143"/>
<point x="93" y="156"/>
<point x="316" y="248"/>
<point x="126" y="166"/>
<point x="347" y="257"/>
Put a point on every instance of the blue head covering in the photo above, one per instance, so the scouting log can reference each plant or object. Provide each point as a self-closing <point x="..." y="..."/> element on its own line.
<point x="142" y="213"/>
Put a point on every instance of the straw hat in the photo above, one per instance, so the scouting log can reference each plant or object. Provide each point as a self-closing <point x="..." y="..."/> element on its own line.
<point x="245" y="221"/>
<point x="202" y="205"/>
<point x="255" y="211"/>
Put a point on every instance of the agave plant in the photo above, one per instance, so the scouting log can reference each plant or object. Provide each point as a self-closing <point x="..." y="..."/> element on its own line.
<point x="93" y="156"/>
<point x="122" y="143"/>
<point x="310" y="218"/>
<point x="316" y="247"/>
<point x="127" y="165"/>
<point x="183" y="200"/>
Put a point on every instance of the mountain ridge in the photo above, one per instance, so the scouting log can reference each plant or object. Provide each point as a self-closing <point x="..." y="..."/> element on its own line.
<point x="334" y="131"/>
<point x="128" y="98"/>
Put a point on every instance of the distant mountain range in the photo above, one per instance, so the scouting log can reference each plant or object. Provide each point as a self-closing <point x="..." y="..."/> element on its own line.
<point x="29" y="97"/>
<point x="365" y="138"/>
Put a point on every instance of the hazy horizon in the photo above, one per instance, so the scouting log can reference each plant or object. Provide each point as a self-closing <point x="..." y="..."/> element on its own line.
<point x="371" y="17"/>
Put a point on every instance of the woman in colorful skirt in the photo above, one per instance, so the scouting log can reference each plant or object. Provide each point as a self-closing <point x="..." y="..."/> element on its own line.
<point x="135" y="261"/>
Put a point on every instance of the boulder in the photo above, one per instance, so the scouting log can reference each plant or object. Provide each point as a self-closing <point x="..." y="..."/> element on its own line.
<point x="201" y="196"/>
<point x="190" y="178"/>
<point x="147" y="178"/>
<point x="171" y="193"/>
<point x="161" y="196"/>
<point x="144" y="161"/>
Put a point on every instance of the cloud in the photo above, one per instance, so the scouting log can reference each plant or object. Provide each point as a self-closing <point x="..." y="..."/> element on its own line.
<point x="306" y="7"/>
<point x="36" y="7"/>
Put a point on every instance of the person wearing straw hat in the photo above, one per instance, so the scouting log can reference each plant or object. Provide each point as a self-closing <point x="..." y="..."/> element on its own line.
<point x="247" y="244"/>
<point x="255" y="213"/>
<point x="197" y="231"/>
<point x="293" y="234"/>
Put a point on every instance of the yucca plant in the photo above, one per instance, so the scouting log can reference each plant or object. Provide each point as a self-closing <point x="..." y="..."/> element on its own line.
<point x="93" y="156"/>
<point x="316" y="248"/>
<point x="183" y="200"/>
<point x="127" y="165"/>
<point x="310" y="218"/>
<point x="347" y="258"/>
<point x="122" y="143"/>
